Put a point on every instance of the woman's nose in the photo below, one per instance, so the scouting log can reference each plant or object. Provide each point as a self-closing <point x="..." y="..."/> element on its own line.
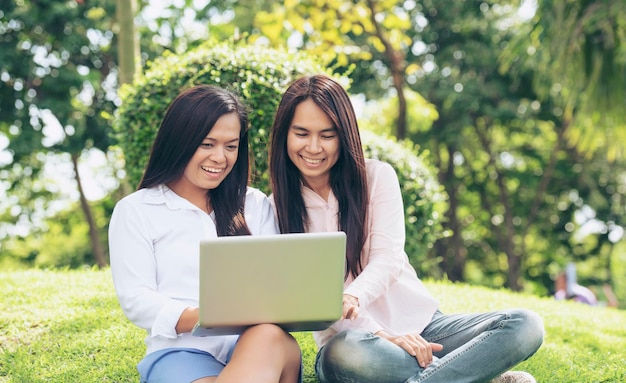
<point x="218" y="155"/>
<point x="314" y="145"/>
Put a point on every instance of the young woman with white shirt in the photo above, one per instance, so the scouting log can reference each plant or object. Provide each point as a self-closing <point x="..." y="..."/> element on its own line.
<point x="391" y="329"/>
<point x="194" y="186"/>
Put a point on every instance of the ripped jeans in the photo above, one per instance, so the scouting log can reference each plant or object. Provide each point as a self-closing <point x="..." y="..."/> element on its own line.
<point x="476" y="348"/>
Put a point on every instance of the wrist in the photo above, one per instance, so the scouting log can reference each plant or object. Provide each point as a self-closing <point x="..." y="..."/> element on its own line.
<point x="381" y="333"/>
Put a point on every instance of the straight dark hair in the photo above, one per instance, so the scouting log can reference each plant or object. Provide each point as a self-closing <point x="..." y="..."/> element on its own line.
<point x="188" y="120"/>
<point x="348" y="178"/>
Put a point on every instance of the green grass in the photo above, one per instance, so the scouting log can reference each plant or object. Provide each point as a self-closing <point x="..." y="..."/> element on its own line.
<point x="66" y="326"/>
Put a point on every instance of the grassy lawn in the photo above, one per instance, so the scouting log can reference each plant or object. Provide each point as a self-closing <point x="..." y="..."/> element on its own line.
<point x="66" y="326"/>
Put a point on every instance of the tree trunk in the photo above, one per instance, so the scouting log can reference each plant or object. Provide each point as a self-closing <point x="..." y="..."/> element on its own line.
<point x="505" y="233"/>
<point x="548" y="173"/>
<point x="395" y="60"/>
<point x="96" y="246"/>
<point x="398" y="82"/>
<point x="128" y="49"/>
<point x="451" y="248"/>
<point x="128" y="53"/>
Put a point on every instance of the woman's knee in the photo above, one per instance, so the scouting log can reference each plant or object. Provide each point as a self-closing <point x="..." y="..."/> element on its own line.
<point x="530" y="331"/>
<point x="343" y="352"/>
<point x="342" y="347"/>
<point x="270" y="334"/>
<point x="360" y="356"/>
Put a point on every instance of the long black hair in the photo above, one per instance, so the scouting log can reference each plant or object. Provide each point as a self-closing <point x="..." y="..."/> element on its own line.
<point x="188" y="120"/>
<point x="348" y="178"/>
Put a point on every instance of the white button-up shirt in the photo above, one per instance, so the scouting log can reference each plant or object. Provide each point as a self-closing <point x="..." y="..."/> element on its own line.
<point x="154" y="238"/>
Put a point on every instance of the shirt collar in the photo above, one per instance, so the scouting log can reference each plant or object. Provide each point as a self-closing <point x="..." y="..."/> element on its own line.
<point x="313" y="200"/>
<point x="163" y="195"/>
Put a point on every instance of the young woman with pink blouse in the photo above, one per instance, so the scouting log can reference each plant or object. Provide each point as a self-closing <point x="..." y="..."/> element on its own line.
<point x="392" y="329"/>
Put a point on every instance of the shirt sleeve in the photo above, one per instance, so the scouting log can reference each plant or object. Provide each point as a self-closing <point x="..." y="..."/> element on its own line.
<point x="269" y="224"/>
<point x="262" y="214"/>
<point x="134" y="274"/>
<point x="385" y="256"/>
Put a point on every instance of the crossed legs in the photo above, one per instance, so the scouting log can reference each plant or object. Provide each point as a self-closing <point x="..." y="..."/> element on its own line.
<point x="477" y="347"/>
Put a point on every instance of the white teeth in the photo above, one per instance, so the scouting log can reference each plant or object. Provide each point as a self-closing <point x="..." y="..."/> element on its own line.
<point x="311" y="161"/>
<point x="212" y="170"/>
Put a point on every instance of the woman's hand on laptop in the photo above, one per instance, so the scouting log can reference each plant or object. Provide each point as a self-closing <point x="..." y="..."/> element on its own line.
<point x="350" y="307"/>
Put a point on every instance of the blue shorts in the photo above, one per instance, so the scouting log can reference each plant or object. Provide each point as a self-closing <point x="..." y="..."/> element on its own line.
<point x="178" y="365"/>
<point x="182" y="365"/>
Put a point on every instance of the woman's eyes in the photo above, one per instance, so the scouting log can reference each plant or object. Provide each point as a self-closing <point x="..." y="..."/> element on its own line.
<point x="209" y="145"/>
<point x="324" y="136"/>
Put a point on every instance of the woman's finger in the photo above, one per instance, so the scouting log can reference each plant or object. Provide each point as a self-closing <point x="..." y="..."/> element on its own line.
<point x="350" y="307"/>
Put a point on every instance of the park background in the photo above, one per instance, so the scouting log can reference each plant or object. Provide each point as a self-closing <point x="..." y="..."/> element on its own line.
<point x="504" y="119"/>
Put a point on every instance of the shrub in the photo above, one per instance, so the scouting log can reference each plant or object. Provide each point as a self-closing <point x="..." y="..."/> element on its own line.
<point x="59" y="241"/>
<point x="257" y="75"/>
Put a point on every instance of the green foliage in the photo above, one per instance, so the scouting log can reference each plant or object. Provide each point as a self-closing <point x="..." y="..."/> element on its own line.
<point x="381" y="115"/>
<point x="56" y="91"/>
<point x="55" y="56"/>
<point x="345" y="35"/>
<point x="62" y="241"/>
<point x="514" y="186"/>
<point x="29" y="190"/>
<point x="576" y="53"/>
<point x="67" y="326"/>
<point x="619" y="268"/>
<point x="258" y="75"/>
<point x="424" y="198"/>
<point x="64" y="244"/>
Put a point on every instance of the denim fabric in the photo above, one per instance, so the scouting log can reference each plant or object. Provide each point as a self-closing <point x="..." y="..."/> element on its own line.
<point x="476" y="348"/>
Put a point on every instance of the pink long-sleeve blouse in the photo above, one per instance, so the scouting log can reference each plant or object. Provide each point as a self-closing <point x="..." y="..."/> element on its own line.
<point x="391" y="296"/>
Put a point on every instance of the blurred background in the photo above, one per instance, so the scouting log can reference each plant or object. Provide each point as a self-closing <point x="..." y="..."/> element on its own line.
<point x="517" y="106"/>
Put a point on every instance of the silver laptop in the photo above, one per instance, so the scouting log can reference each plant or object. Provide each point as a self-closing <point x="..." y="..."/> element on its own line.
<point x="292" y="280"/>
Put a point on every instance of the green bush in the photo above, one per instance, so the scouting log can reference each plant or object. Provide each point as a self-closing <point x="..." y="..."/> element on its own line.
<point x="424" y="198"/>
<point x="59" y="241"/>
<point x="259" y="76"/>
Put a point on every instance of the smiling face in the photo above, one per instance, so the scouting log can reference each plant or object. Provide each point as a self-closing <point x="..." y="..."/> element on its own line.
<point x="313" y="145"/>
<point x="211" y="163"/>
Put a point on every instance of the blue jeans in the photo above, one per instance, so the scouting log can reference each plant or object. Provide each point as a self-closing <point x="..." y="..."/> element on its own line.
<point x="476" y="348"/>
